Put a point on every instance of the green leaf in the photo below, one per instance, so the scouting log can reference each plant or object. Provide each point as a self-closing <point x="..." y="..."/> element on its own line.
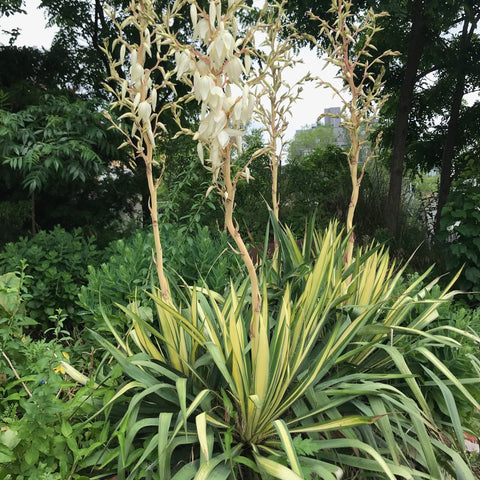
<point x="288" y="446"/>
<point x="276" y="469"/>
<point x="66" y="428"/>
<point x="6" y="455"/>
<point x="9" y="438"/>
<point x="451" y="406"/>
<point x="31" y="455"/>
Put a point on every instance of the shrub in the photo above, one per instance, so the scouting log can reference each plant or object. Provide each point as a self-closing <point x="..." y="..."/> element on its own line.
<point x="57" y="263"/>
<point x="195" y="257"/>
<point x="42" y="412"/>
<point x="332" y="384"/>
<point x="459" y="234"/>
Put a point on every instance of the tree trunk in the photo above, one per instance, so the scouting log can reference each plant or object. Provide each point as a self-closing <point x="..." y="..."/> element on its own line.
<point x="34" y="217"/>
<point x="454" y="118"/>
<point x="416" y="45"/>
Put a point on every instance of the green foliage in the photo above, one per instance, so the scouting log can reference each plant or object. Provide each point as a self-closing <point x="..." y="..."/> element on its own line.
<point x="60" y="157"/>
<point x="309" y="140"/>
<point x="42" y="429"/>
<point x="181" y="194"/>
<point x="10" y="7"/>
<point x="59" y="139"/>
<point x="195" y="256"/>
<point x="411" y="233"/>
<point x="460" y="234"/>
<point x="462" y="325"/>
<point x="57" y="264"/>
<point x="254" y="197"/>
<point x="26" y="73"/>
<point x="315" y="182"/>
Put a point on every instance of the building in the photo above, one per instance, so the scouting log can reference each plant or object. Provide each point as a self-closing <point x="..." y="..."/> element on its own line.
<point x="334" y="121"/>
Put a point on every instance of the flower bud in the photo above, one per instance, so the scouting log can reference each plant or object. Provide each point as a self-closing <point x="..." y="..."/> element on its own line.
<point x="200" y="152"/>
<point x="248" y="63"/>
<point x="153" y="99"/>
<point x="151" y="137"/>
<point x="212" y="12"/>
<point x="124" y="89"/>
<point x="144" y="111"/>
<point x="123" y="50"/>
<point x="193" y="14"/>
<point x="136" y="100"/>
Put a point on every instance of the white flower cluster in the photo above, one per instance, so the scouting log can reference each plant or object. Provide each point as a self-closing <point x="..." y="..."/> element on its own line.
<point x="223" y="115"/>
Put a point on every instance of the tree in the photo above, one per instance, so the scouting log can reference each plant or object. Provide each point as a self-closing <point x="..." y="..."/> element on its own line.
<point x="316" y="182"/>
<point x="416" y="44"/>
<point x="463" y="58"/>
<point x="421" y="119"/>
<point x="425" y="95"/>
<point x="28" y="73"/>
<point x="56" y="147"/>
<point x="10" y="7"/>
<point x="308" y="139"/>
<point x="428" y="36"/>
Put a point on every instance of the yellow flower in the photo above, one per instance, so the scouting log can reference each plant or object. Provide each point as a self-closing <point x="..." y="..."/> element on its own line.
<point x="60" y="368"/>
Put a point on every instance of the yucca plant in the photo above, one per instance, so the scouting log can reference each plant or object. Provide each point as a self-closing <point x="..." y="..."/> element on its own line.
<point x="329" y="389"/>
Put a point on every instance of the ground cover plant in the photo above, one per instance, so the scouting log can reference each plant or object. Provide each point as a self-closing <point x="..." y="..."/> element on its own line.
<point x="44" y="432"/>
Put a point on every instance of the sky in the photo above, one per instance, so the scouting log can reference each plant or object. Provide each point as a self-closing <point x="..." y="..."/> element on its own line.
<point x="305" y="112"/>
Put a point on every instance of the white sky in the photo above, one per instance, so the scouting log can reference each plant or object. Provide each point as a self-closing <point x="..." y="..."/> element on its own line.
<point x="34" y="33"/>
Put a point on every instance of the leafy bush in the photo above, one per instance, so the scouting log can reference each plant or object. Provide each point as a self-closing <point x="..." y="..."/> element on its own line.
<point x="42" y="429"/>
<point x="195" y="257"/>
<point x="57" y="264"/>
<point x="459" y="234"/>
<point x="325" y="186"/>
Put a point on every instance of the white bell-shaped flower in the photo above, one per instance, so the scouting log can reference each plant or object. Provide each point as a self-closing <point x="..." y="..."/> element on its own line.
<point x="220" y="121"/>
<point x="215" y="98"/>
<point x="202" y="85"/>
<point x="136" y="72"/>
<point x="202" y="30"/>
<point x="144" y="112"/>
<point x="221" y="48"/>
<point x="234" y="69"/>
<point x="223" y="138"/>
<point x="185" y="64"/>
<point x="237" y="111"/>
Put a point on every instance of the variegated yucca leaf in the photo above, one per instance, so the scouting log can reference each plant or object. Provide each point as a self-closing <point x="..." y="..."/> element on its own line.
<point x="326" y="368"/>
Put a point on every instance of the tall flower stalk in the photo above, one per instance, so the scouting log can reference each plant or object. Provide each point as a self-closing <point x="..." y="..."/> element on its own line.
<point x="350" y="48"/>
<point x="277" y="96"/>
<point x="131" y="82"/>
<point x="217" y="65"/>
